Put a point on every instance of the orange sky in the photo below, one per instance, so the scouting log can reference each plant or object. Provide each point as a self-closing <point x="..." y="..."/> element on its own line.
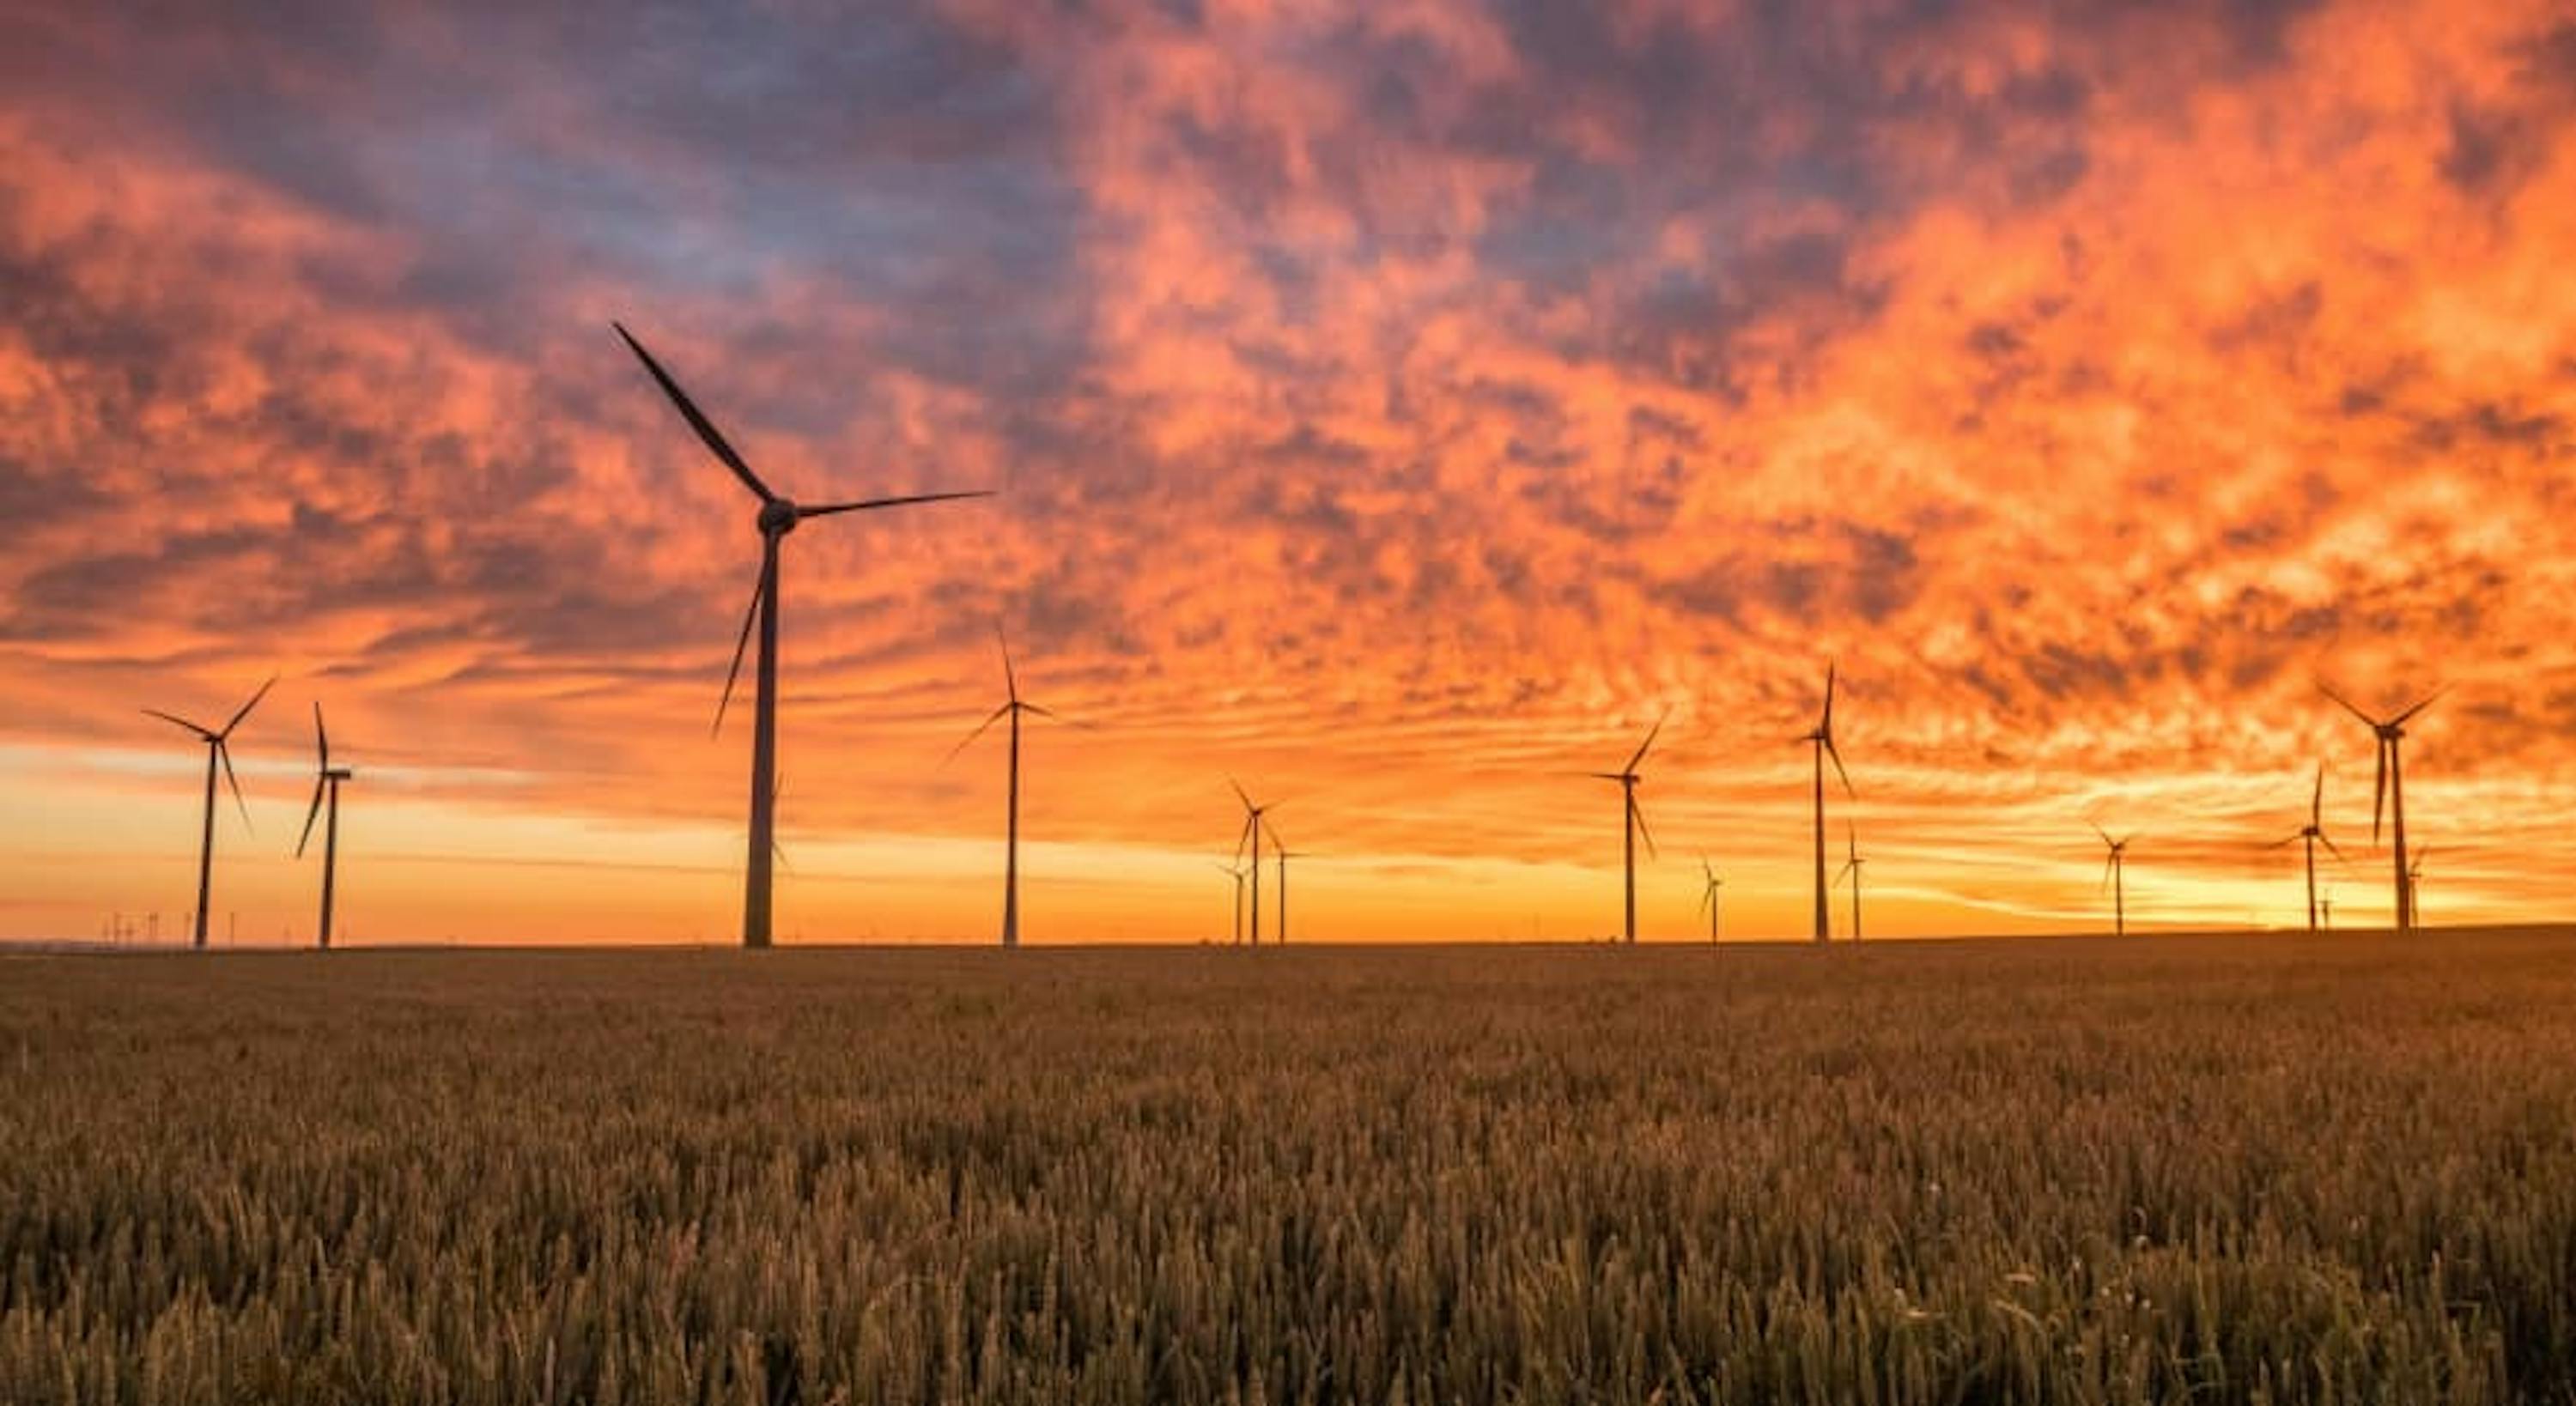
<point x="1399" y="406"/>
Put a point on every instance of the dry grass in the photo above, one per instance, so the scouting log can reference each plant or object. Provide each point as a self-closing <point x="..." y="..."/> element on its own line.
<point x="2275" y="1170"/>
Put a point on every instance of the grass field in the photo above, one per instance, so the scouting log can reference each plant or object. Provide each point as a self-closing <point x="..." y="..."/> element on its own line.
<point x="2207" y="1170"/>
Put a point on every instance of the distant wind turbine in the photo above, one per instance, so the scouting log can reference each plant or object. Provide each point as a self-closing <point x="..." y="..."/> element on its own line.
<point x="778" y="517"/>
<point x="2313" y="834"/>
<point x="1709" y="897"/>
<point x="1251" y="836"/>
<point x="1235" y="872"/>
<point x="2390" y="792"/>
<point x="1851" y="870"/>
<point x="218" y="752"/>
<point x="1013" y="709"/>
<point x="1281" y="854"/>
<point x="2115" y="876"/>
<point x="1822" y="738"/>
<point x="1632" y="821"/>
<point x="326" y="794"/>
<point x="2415" y="887"/>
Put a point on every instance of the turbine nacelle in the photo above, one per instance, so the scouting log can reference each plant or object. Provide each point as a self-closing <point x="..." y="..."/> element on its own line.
<point x="778" y="517"/>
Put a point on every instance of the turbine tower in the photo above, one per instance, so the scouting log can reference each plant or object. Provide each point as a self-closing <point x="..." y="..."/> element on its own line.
<point x="2314" y="834"/>
<point x="1013" y="710"/>
<point x="1632" y="821"/>
<point x="2115" y="877"/>
<point x="1251" y="836"/>
<point x="778" y="517"/>
<point x="2390" y="792"/>
<point x="1822" y="738"/>
<point x="1709" y="898"/>
<point x="1851" y="869"/>
<point x="218" y="752"/>
<point x="326" y="793"/>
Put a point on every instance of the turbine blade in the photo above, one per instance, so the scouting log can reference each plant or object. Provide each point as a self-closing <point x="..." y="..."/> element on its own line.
<point x="1836" y="753"/>
<point x="2098" y="830"/>
<point x="2424" y="703"/>
<point x="310" y="812"/>
<point x="321" y="739"/>
<point x="865" y="505"/>
<point x="2105" y="885"/>
<point x="741" y="642"/>
<point x="1651" y="734"/>
<point x="989" y="719"/>
<point x="1010" y="676"/>
<point x="226" y="754"/>
<point x="1239" y="794"/>
<point x="1242" y="835"/>
<point x="183" y="722"/>
<point x="1638" y="814"/>
<point x="707" y="431"/>
<point x="2317" y="799"/>
<point x="2331" y="849"/>
<point x="246" y="707"/>
<point x="2347" y="703"/>
<point x="2379" y="793"/>
<point x="1825" y="728"/>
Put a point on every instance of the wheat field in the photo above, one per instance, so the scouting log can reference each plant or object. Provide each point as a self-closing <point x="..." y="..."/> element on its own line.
<point x="2209" y="1170"/>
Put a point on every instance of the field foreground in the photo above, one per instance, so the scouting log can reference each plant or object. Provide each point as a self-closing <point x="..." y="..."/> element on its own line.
<point x="2210" y="1170"/>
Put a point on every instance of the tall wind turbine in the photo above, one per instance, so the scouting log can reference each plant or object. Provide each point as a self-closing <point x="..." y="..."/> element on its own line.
<point x="1013" y="710"/>
<point x="1822" y="738"/>
<point x="1709" y="897"/>
<point x="778" y="517"/>
<point x="1851" y="870"/>
<point x="326" y="792"/>
<point x="2115" y="876"/>
<point x="1632" y="820"/>
<point x="2390" y="792"/>
<point x="1281" y="854"/>
<point x="1251" y="836"/>
<point x="218" y="751"/>
<point x="2314" y="834"/>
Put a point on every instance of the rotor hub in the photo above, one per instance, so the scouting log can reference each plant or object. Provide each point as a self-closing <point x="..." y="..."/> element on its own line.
<point x="777" y="517"/>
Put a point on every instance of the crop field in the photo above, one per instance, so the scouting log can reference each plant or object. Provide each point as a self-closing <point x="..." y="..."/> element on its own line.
<point x="2207" y="1170"/>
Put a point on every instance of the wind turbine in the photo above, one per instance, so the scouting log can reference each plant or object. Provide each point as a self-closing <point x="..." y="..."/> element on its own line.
<point x="1710" y="883"/>
<point x="2415" y="887"/>
<point x="326" y="790"/>
<point x="1822" y="737"/>
<point x="1011" y="854"/>
<point x="2390" y="792"/>
<point x="218" y="751"/>
<point x="1252" y="836"/>
<point x="1851" y="869"/>
<point x="1280" y="853"/>
<point x="778" y="517"/>
<point x="2314" y="834"/>
<point x="1235" y="873"/>
<point x="1633" y="820"/>
<point x="2115" y="876"/>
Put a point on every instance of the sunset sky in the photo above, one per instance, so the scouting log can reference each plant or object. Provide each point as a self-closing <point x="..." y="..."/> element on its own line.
<point x="1396" y="406"/>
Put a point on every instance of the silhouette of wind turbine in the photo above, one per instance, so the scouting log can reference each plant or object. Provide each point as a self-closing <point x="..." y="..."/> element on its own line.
<point x="326" y="791"/>
<point x="2314" y="834"/>
<point x="1251" y="836"/>
<point x="1633" y="820"/>
<point x="2390" y="792"/>
<point x="1851" y="869"/>
<point x="778" y="517"/>
<point x="218" y="751"/>
<point x="2415" y="887"/>
<point x="2325" y="906"/>
<point x="2115" y="876"/>
<point x="1710" y="883"/>
<point x="1235" y="872"/>
<point x="1822" y="737"/>
<point x="1012" y="709"/>
<point x="1281" y="854"/>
